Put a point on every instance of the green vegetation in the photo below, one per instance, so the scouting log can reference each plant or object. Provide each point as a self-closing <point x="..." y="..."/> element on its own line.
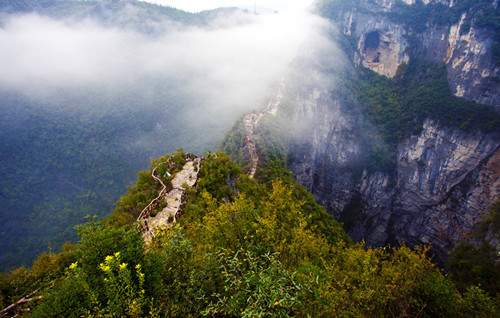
<point x="146" y="188"/>
<point x="60" y="163"/>
<point x="56" y="168"/>
<point x="397" y="107"/>
<point x="71" y="152"/>
<point x="241" y="249"/>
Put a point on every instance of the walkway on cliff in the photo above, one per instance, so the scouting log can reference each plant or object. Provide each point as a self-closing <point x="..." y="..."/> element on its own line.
<point x="172" y="195"/>
<point x="252" y="120"/>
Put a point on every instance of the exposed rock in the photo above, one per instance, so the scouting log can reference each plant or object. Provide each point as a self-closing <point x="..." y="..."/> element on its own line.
<point x="441" y="193"/>
<point x="445" y="178"/>
<point x="383" y="45"/>
<point x="470" y="65"/>
<point x="186" y="178"/>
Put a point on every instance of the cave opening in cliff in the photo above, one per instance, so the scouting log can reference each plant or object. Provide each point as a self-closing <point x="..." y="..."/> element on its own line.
<point x="372" y="42"/>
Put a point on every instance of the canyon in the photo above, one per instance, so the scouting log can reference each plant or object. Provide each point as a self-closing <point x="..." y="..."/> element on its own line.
<point x="444" y="178"/>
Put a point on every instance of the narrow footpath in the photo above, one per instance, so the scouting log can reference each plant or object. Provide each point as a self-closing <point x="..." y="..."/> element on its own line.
<point x="252" y="120"/>
<point x="173" y="196"/>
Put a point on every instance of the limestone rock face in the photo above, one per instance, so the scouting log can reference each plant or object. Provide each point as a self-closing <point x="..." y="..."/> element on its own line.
<point x="470" y="66"/>
<point x="445" y="184"/>
<point x="383" y="45"/>
<point x="445" y="178"/>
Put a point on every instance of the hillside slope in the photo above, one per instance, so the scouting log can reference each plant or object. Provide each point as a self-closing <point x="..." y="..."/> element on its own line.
<point x="238" y="248"/>
<point x="373" y="125"/>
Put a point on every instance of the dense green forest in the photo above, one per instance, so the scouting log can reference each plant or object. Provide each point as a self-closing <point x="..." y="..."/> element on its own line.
<point x="399" y="106"/>
<point x="241" y="249"/>
<point x="68" y="152"/>
<point x="62" y="162"/>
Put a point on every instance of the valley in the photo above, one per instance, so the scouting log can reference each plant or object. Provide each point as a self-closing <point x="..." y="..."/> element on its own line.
<point x="341" y="161"/>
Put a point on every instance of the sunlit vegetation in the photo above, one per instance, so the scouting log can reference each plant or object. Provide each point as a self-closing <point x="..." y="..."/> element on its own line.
<point x="138" y="196"/>
<point x="241" y="249"/>
<point x="60" y="163"/>
<point x="72" y="151"/>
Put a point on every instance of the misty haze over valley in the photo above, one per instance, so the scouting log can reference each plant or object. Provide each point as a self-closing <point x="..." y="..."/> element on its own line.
<point x="239" y="158"/>
<point x="91" y="92"/>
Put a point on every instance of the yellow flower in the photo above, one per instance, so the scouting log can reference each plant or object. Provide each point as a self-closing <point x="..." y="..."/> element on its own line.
<point x="117" y="254"/>
<point x="73" y="265"/>
<point x="108" y="258"/>
<point x="123" y="266"/>
<point x="138" y="266"/>
<point x="104" y="267"/>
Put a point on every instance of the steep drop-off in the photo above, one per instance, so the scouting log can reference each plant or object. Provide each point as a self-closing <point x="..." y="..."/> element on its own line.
<point x="431" y="184"/>
<point x="458" y="33"/>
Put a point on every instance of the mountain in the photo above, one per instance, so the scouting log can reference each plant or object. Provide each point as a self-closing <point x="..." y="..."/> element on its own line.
<point x="229" y="246"/>
<point x="388" y="115"/>
<point x="90" y="92"/>
<point x="386" y="129"/>
<point x="137" y="15"/>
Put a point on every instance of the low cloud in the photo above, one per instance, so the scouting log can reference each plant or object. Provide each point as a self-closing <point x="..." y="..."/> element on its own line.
<point x="214" y="73"/>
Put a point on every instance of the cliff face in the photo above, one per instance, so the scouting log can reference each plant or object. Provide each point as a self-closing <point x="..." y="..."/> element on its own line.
<point x="383" y="44"/>
<point x="445" y="182"/>
<point x="471" y="69"/>
<point x="445" y="179"/>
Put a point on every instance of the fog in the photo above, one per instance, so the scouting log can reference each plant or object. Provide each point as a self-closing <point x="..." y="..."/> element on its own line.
<point x="212" y="73"/>
<point x="84" y="102"/>
<point x="41" y="56"/>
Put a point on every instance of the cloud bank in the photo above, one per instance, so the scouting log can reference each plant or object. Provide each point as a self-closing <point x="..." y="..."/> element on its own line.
<point x="202" y="78"/>
<point x="40" y="55"/>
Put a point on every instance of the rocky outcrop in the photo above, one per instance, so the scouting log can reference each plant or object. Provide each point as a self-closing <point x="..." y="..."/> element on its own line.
<point x="382" y="43"/>
<point x="171" y="195"/>
<point x="443" y="186"/>
<point x="471" y="70"/>
<point x="444" y="179"/>
<point x="445" y="182"/>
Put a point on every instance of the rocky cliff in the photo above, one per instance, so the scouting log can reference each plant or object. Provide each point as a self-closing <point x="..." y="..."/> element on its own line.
<point x="444" y="183"/>
<point x="444" y="179"/>
<point x="441" y="31"/>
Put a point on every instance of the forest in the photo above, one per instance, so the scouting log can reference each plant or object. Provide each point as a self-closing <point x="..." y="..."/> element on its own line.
<point x="244" y="248"/>
<point x="241" y="247"/>
<point x="72" y="151"/>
